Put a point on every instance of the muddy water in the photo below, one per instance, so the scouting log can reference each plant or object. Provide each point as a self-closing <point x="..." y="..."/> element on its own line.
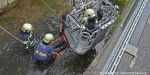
<point x="13" y="60"/>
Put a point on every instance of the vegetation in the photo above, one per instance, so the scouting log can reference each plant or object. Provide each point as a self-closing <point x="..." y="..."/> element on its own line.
<point x="115" y="24"/>
<point x="4" y="19"/>
<point x="122" y="4"/>
<point x="57" y="6"/>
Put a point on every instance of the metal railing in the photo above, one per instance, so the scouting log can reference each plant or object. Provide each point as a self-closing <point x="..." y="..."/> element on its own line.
<point x="117" y="53"/>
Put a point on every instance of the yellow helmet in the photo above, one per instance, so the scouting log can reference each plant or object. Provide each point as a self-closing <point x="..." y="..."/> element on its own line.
<point x="48" y="37"/>
<point x="27" y="27"/>
<point x="89" y="13"/>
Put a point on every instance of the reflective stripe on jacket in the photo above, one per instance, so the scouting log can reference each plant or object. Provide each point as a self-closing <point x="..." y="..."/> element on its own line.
<point x="45" y="49"/>
<point x="27" y="37"/>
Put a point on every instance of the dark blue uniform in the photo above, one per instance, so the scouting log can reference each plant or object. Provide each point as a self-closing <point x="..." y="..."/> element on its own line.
<point x="44" y="52"/>
<point x="91" y="23"/>
<point x="90" y="26"/>
<point x="27" y="37"/>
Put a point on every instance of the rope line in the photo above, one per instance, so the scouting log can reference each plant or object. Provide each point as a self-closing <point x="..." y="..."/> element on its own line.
<point x="10" y="34"/>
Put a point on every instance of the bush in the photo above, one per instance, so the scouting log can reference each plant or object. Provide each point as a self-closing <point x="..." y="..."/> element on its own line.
<point x="121" y="4"/>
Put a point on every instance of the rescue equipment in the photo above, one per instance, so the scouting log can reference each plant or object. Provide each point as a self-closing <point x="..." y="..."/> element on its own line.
<point x="106" y="14"/>
<point x="74" y="24"/>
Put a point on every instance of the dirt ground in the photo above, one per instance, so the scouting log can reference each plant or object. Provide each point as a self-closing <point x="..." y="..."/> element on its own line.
<point x="28" y="11"/>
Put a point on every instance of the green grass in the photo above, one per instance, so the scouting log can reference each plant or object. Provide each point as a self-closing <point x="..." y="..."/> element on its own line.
<point x="39" y="3"/>
<point x="122" y="4"/>
<point x="55" y="5"/>
<point x="117" y="21"/>
<point x="5" y="19"/>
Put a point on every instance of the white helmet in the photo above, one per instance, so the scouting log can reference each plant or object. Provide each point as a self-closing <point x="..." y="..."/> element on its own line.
<point x="89" y="13"/>
<point x="48" y="37"/>
<point x="27" y="27"/>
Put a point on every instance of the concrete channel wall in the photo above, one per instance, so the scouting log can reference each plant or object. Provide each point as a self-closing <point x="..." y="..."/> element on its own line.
<point x="4" y="3"/>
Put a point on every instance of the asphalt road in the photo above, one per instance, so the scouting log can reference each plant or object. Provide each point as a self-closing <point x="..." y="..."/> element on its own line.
<point x="142" y="63"/>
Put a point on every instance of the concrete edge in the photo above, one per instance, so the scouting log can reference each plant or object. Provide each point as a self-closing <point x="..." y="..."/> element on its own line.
<point x="132" y="50"/>
<point x="94" y="63"/>
<point x="96" y="60"/>
<point x="8" y="6"/>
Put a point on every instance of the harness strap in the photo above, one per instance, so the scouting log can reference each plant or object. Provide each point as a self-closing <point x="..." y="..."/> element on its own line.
<point x="28" y="41"/>
<point x="30" y="36"/>
<point x="25" y="42"/>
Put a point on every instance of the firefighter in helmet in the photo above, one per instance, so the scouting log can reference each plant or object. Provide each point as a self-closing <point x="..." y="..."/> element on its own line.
<point x="27" y="35"/>
<point x="44" y="52"/>
<point x="90" y="18"/>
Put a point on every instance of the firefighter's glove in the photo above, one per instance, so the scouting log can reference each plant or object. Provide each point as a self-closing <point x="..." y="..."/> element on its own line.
<point x="83" y="27"/>
<point x="84" y="19"/>
<point x="60" y="33"/>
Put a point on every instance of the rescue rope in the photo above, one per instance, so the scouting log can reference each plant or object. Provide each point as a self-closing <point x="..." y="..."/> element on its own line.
<point x="10" y="34"/>
<point x="52" y="10"/>
<point x="78" y="13"/>
<point x="54" y="13"/>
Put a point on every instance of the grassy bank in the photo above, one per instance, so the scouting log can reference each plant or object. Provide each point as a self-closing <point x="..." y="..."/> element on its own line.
<point x="22" y="11"/>
<point x="122" y="5"/>
<point x="57" y="6"/>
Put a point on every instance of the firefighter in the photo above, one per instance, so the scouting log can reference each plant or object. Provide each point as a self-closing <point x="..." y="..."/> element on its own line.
<point x="62" y="44"/>
<point x="44" y="52"/>
<point x="90" y="18"/>
<point x="62" y="24"/>
<point x="27" y="35"/>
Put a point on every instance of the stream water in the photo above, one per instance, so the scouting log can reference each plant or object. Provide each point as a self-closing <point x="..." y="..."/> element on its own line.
<point x="13" y="60"/>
